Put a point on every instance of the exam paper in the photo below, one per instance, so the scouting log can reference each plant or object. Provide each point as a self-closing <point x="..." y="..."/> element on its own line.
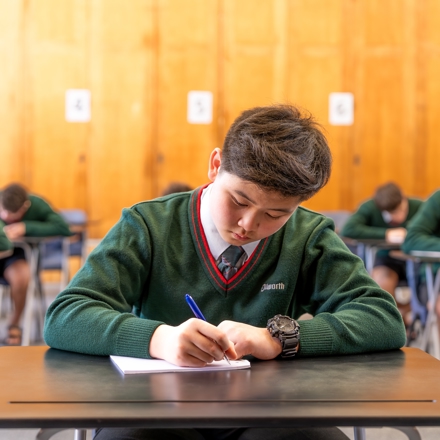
<point x="131" y="365"/>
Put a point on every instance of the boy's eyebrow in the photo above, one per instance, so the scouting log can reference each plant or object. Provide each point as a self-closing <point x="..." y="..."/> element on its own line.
<point x="242" y="194"/>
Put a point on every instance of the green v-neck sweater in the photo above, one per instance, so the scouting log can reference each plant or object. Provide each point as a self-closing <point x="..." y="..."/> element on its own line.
<point x="137" y="278"/>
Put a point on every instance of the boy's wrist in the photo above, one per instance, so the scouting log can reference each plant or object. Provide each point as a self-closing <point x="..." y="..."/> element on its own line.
<point x="157" y="341"/>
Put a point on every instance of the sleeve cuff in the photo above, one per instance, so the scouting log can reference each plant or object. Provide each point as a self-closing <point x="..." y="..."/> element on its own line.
<point x="316" y="338"/>
<point x="134" y="337"/>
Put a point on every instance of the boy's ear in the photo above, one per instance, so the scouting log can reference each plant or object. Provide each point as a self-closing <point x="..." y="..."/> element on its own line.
<point x="215" y="161"/>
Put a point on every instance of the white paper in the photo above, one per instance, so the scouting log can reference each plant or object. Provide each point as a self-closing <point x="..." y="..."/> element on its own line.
<point x="131" y="365"/>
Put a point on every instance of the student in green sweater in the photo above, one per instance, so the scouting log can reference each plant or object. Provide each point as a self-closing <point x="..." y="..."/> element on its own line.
<point x="129" y="297"/>
<point x="424" y="230"/>
<point x="385" y="217"/>
<point x="22" y="215"/>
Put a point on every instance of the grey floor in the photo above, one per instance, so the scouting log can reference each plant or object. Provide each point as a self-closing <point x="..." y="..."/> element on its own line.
<point x="51" y="290"/>
<point x="371" y="434"/>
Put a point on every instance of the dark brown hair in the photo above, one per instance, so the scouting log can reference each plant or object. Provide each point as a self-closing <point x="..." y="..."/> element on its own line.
<point x="388" y="197"/>
<point x="176" y="187"/>
<point x="13" y="197"/>
<point x="278" y="149"/>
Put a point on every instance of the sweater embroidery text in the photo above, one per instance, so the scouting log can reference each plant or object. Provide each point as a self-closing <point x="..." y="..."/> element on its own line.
<point x="278" y="286"/>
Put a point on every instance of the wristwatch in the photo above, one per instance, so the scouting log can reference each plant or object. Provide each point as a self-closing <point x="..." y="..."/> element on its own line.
<point x="287" y="331"/>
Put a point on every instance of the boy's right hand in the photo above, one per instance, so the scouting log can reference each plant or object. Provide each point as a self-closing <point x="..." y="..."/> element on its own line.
<point x="15" y="230"/>
<point x="194" y="343"/>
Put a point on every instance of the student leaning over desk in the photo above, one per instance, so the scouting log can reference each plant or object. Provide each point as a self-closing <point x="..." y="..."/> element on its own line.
<point x="385" y="217"/>
<point x="424" y="231"/>
<point x="22" y="215"/>
<point x="294" y="263"/>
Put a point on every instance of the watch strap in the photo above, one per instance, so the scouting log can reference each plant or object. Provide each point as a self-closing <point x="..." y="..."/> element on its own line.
<point x="289" y="346"/>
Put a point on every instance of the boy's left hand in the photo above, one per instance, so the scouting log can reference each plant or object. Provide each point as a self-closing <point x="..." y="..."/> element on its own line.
<point x="251" y="340"/>
<point x="15" y="230"/>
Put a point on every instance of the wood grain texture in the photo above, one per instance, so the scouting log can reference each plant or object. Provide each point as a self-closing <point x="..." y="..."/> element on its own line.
<point x="140" y="59"/>
<point x="12" y="111"/>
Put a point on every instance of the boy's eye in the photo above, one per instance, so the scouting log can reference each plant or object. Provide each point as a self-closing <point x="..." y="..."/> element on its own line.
<point x="237" y="202"/>
<point x="273" y="216"/>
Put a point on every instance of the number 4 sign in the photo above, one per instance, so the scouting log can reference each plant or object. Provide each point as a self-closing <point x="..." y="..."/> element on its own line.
<point x="78" y="105"/>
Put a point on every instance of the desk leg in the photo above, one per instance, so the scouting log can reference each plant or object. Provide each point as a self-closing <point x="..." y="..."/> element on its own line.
<point x="370" y="255"/>
<point x="65" y="263"/>
<point x="359" y="433"/>
<point x="32" y="258"/>
<point x="80" y="434"/>
<point x="431" y="330"/>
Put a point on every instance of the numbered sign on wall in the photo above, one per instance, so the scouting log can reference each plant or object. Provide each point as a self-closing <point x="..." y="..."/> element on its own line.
<point x="341" y="108"/>
<point x="78" y="105"/>
<point x="199" y="107"/>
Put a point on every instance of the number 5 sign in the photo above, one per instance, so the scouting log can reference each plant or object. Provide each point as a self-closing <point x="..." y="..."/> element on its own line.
<point x="199" y="107"/>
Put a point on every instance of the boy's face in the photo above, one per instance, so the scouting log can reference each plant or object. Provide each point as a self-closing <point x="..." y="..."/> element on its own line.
<point x="398" y="216"/>
<point x="13" y="217"/>
<point x="241" y="211"/>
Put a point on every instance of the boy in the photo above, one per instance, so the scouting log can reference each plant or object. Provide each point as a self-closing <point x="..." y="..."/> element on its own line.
<point x="424" y="231"/>
<point x="22" y="215"/>
<point x="288" y="261"/>
<point x="386" y="217"/>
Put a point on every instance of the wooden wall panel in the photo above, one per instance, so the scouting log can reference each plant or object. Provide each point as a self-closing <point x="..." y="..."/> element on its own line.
<point x="316" y="67"/>
<point x="432" y="147"/>
<point x="254" y="55"/>
<point x="427" y="156"/>
<point x="141" y="58"/>
<point x="56" y="35"/>
<point x="11" y="92"/>
<point x="187" y="55"/>
<point x="385" y="98"/>
<point x="119" y="167"/>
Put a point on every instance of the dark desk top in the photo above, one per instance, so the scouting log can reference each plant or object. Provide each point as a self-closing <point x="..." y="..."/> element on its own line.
<point x="373" y="242"/>
<point x="35" y="241"/>
<point x="417" y="256"/>
<point x="43" y="387"/>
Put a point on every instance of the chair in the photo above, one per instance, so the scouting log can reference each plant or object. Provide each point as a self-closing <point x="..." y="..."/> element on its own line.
<point x="340" y="217"/>
<point x="54" y="254"/>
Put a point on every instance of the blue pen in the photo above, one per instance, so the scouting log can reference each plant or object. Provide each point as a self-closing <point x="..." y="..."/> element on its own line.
<point x="198" y="314"/>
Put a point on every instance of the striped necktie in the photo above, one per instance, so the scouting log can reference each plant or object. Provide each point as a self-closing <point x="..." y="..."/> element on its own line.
<point x="230" y="261"/>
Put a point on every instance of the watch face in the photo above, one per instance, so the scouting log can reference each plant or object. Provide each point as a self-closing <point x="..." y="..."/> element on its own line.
<point x="285" y="324"/>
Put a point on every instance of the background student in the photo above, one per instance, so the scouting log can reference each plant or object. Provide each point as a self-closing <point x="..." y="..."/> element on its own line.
<point x="385" y="217"/>
<point x="22" y="214"/>
<point x="424" y="230"/>
<point x="247" y="253"/>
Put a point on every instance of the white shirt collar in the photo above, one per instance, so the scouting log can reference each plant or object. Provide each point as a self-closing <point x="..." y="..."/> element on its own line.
<point x="215" y="242"/>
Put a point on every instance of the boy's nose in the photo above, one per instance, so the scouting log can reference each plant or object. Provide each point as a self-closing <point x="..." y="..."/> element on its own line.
<point x="249" y="222"/>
